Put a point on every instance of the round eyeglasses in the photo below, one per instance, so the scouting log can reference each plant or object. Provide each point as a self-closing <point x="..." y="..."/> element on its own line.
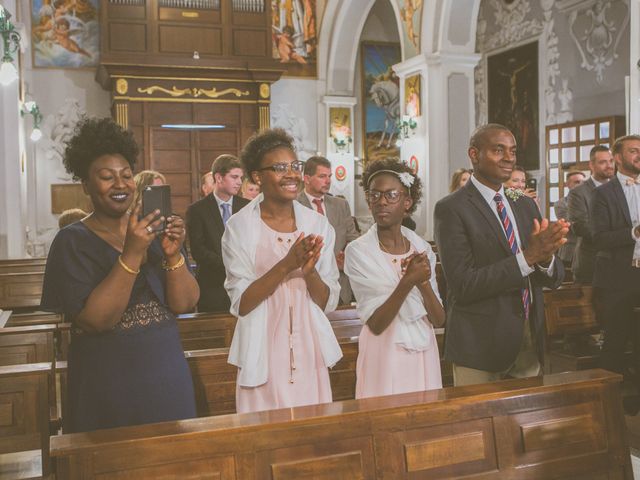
<point x="391" y="196"/>
<point x="281" y="168"/>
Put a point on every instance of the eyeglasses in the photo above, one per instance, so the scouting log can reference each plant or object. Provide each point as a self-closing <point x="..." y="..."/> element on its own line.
<point x="281" y="168"/>
<point x="391" y="196"/>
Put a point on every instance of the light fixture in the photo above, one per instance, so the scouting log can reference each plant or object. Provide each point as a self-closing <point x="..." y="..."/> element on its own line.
<point x="406" y="128"/>
<point x="193" y="126"/>
<point x="31" y="108"/>
<point x="10" y="44"/>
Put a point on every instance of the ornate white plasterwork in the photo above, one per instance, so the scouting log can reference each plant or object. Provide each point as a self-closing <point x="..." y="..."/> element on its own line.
<point x="57" y="130"/>
<point x="513" y="23"/>
<point x="480" y="76"/>
<point x="552" y="56"/>
<point x="598" y="43"/>
<point x="282" y="116"/>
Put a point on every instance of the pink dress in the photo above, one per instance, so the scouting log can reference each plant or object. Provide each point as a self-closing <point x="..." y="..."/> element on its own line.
<point x="386" y="368"/>
<point x="297" y="372"/>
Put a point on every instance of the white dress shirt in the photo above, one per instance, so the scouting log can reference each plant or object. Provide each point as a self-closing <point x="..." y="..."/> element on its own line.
<point x="632" y="195"/>
<point x="311" y="198"/>
<point x="219" y="201"/>
<point x="488" y="194"/>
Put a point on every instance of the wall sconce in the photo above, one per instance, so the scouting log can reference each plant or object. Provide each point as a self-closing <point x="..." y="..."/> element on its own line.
<point x="342" y="141"/>
<point x="31" y="108"/>
<point x="10" y="43"/>
<point x="406" y="128"/>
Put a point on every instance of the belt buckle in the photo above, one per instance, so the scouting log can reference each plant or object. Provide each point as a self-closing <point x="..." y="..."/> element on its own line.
<point x="635" y="263"/>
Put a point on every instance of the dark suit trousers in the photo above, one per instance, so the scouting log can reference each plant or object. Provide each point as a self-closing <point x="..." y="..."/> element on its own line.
<point x="620" y="325"/>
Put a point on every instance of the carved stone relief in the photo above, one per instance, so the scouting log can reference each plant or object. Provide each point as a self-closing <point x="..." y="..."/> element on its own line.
<point x="596" y="32"/>
<point x="282" y="116"/>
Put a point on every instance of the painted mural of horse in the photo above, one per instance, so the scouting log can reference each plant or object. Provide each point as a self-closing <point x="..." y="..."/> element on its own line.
<point x="386" y="95"/>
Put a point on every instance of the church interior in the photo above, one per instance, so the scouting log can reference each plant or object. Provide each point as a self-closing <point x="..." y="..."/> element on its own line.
<point x="353" y="82"/>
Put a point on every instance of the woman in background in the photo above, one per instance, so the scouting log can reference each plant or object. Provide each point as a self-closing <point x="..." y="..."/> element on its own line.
<point x="120" y="283"/>
<point x="249" y="190"/>
<point x="459" y="179"/>
<point x="391" y="270"/>
<point x="281" y="278"/>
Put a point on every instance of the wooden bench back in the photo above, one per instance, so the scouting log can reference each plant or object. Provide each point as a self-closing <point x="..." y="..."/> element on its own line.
<point x="20" y="290"/>
<point x="21" y="345"/>
<point x="569" y="310"/>
<point x="33" y="318"/>
<point x="24" y="410"/>
<point x="562" y="426"/>
<point x="21" y="265"/>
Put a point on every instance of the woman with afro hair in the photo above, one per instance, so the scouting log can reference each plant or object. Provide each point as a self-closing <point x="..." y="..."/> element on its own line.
<point x="391" y="272"/>
<point x="120" y="282"/>
<point x="281" y="278"/>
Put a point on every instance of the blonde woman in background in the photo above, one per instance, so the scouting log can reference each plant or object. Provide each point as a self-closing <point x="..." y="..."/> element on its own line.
<point x="249" y="190"/>
<point x="459" y="179"/>
<point x="144" y="179"/>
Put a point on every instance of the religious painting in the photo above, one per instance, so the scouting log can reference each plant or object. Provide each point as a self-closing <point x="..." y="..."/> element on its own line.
<point x="381" y="99"/>
<point x="412" y="95"/>
<point x="340" y="128"/>
<point x="411" y="15"/>
<point x="65" y="33"/>
<point x="295" y="35"/>
<point x="513" y="99"/>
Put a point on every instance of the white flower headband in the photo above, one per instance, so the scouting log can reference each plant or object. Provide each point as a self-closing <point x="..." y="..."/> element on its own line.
<point x="405" y="178"/>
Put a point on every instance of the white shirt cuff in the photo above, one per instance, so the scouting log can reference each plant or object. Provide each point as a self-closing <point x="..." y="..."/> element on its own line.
<point x="633" y="234"/>
<point x="548" y="270"/>
<point x="525" y="269"/>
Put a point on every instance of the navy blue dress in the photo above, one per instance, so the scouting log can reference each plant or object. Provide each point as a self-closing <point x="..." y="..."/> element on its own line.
<point x="133" y="374"/>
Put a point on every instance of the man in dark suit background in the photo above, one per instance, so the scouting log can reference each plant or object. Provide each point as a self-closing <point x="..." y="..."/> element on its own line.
<point x="616" y="234"/>
<point x="580" y="201"/>
<point x="497" y="254"/>
<point x="317" y="181"/>
<point x="573" y="179"/>
<point x="206" y="220"/>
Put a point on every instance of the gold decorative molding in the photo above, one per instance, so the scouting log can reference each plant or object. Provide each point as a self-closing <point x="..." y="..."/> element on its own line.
<point x="174" y="92"/>
<point x="122" y="86"/>
<point x="194" y="92"/>
<point x="264" y="120"/>
<point x="122" y="115"/>
<point x="190" y="14"/>
<point x="265" y="91"/>
<point x="214" y="93"/>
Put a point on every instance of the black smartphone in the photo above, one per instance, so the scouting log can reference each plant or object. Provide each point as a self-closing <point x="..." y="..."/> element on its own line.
<point x="157" y="197"/>
<point x="532" y="184"/>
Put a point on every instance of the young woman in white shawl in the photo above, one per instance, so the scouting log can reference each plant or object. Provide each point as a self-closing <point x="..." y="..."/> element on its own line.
<point x="391" y="272"/>
<point x="281" y="278"/>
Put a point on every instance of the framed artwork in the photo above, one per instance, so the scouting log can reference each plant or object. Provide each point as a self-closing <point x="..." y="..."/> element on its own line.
<point x="381" y="99"/>
<point x="513" y="99"/>
<point x="65" y="33"/>
<point x="412" y="95"/>
<point x="295" y="36"/>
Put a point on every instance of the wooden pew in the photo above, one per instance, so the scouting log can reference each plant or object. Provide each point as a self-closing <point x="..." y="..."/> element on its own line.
<point x="20" y="265"/>
<point x="567" y="426"/>
<point x="21" y="345"/>
<point x="24" y="420"/>
<point x="20" y="290"/>
<point x="33" y="318"/>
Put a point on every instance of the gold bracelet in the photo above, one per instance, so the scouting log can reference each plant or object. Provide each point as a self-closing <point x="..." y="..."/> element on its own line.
<point x="126" y="267"/>
<point x="167" y="268"/>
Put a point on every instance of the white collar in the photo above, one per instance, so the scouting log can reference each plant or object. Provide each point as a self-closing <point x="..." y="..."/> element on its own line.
<point x="487" y="192"/>
<point x="596" y="182"/>
<point x="312" y="198"/>
<point x="219" y="201"/>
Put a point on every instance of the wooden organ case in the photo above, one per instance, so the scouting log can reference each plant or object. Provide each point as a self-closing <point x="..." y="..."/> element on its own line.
<point x="205" y="65"/>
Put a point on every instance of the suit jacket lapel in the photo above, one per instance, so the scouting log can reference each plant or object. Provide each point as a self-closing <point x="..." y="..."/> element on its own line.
<point x="478" y="201"/>
<point x="235" y="205"/>
<point x="214" y="212"/>
<point x="329" y="211"/>
<point x="302" y="198"/>
<point x="622" y="200"/>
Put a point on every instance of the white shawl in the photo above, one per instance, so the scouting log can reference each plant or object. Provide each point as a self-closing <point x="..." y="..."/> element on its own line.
<point x="373" y="280"/>
<point x="248" y="349"/>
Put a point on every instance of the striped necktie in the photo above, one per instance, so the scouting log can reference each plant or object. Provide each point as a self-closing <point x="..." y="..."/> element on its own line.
<point x="513" y="245"/>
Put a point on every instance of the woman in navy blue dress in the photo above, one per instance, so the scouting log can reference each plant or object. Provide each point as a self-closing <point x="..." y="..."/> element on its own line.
<point x="120" y="283"/>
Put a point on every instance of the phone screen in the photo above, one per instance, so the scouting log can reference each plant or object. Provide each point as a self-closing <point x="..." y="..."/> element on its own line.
<point x="157" y="197"/>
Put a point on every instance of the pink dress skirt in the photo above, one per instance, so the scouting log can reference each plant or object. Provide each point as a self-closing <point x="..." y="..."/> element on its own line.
<point x="386" y="368"/>
<point x="297" y="374"/>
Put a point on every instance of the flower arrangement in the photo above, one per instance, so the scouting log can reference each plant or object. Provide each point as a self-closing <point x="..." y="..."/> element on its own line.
<point x="514" y="193"/>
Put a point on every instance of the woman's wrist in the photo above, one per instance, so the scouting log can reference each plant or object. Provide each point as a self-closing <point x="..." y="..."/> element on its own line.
<point x="173" y="258"/>
<point x="132" y="260"/>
